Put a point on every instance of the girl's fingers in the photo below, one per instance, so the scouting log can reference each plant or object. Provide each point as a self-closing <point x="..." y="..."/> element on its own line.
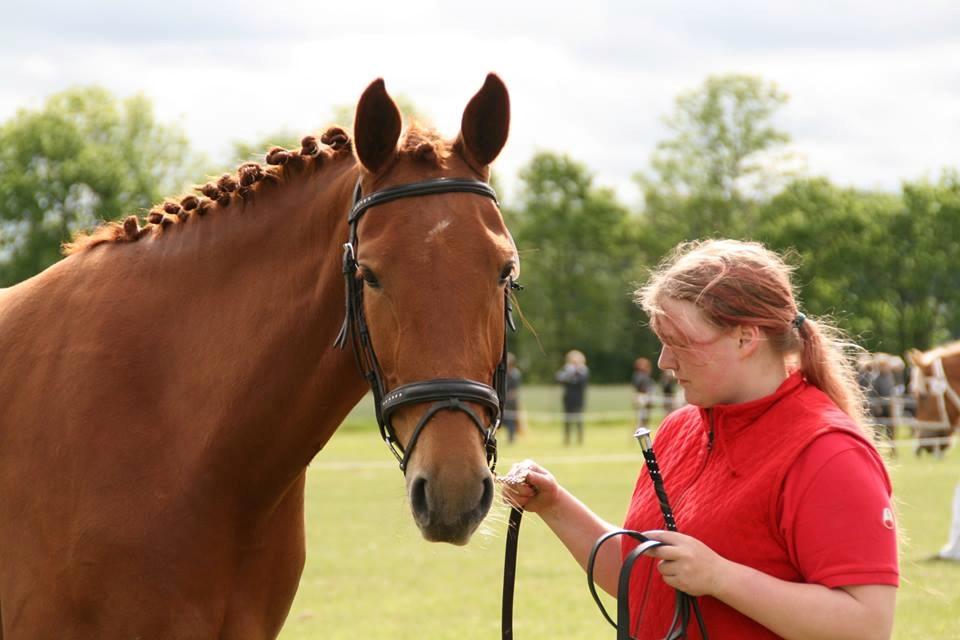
<point x="525" y="485"/>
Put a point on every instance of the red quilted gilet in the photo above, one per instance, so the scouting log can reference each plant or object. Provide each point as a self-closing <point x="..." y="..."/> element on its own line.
<point x="724" y="470"/>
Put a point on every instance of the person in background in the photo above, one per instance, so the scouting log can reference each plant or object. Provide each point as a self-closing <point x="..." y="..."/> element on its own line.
<point x="643" y="386"/>
<point x="899" y="368"/>
<point x="672" y="395"/>
<point x="866" y="370"/>
<point x="511" y="403"/>
<point x="898" y="407"/>
<point x="574" y="376"/>
<point x="783" y="504"/>
<point x="883" y="386"/>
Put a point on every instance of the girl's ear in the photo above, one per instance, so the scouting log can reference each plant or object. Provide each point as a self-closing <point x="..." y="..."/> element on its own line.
<point x="749" y="338"/>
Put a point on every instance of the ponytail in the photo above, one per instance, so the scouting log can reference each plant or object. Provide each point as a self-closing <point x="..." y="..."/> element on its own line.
<point x="826" y="361"/>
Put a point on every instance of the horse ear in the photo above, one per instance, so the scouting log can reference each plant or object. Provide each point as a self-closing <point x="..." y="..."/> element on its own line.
<point x="915" y="357"/>
<point x="376" y="127"/>
<point x="486" y="122"/>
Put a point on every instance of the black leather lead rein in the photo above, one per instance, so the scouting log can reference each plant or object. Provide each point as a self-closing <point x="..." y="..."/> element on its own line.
<point x="622" y="625"/>
<point x="685" y="605"/>
<point x="450" y="394"/>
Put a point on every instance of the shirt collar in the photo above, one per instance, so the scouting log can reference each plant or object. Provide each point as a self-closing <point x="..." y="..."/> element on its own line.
<point x="730" y="421"/>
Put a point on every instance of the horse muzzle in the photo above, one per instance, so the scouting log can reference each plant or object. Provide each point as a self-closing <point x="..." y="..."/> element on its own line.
<point x="449" y="509"/>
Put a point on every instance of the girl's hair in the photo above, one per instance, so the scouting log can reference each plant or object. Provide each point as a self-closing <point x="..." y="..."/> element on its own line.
<point x="736" y="283"/>
<point x="576" y="357"/>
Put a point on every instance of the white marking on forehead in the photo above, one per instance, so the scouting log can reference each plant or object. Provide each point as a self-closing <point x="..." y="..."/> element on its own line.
<point x="437" y="230"/>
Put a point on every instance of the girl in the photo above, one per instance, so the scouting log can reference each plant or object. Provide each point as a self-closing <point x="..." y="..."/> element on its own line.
<point x="782" y="502"/>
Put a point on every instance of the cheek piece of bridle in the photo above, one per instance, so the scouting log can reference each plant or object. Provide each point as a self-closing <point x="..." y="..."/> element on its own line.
<point x="450" y="394"/>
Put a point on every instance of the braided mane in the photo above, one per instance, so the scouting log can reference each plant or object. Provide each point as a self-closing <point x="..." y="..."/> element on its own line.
<point x="230" y="189"/>
<point x="420" y="143"/>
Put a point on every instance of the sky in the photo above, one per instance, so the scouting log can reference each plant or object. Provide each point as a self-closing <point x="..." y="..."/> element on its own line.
<point x="874" y="86"/>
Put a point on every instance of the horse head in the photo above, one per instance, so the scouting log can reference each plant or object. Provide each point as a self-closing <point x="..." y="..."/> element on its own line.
<point x="434" y="271"/>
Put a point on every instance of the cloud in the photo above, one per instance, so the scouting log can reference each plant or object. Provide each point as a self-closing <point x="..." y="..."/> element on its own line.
<point x="873" y="92"/>
<point x="756" y="25"/>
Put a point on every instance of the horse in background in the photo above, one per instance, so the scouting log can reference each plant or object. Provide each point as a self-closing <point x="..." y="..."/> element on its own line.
<point x="935" y="386"/>
<point x="165" y="386"/>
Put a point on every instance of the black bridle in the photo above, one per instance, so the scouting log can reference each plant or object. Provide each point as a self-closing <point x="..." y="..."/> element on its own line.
<point x="451" y="394"/>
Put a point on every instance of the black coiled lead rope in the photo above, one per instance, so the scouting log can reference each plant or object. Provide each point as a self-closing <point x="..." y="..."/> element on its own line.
<point x="685" y="603"/>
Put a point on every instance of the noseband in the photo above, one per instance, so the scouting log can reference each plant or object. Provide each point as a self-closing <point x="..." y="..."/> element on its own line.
<point x="450" y="394"/>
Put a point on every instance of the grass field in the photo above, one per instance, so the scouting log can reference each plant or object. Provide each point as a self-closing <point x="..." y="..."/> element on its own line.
<point x="369" y="574"/>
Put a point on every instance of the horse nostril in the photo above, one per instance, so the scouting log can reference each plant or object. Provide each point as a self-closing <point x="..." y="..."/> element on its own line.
<point x="418" y="499"/>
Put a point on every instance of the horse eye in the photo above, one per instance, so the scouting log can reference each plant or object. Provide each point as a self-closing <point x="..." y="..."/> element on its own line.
<point x="369" y="277"/>
<point x="506" y="272"/>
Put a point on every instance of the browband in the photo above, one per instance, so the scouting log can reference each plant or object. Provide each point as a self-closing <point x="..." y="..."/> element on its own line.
<point x="425" y="188"/>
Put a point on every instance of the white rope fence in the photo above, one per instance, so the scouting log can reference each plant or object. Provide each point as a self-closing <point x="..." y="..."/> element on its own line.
<point x="667" y="404"/>
<point x="554" y="460"/>
<point x="934" y="437"/>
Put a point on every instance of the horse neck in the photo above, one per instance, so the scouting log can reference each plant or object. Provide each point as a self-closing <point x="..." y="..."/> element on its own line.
<point x="257" y="307"/>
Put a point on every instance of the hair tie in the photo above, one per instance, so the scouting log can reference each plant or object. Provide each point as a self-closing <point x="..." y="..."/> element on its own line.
<point x="798" y="321"/>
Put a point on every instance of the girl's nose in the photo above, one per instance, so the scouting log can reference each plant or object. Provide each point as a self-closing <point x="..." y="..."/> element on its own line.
<point x="666" y="359"/>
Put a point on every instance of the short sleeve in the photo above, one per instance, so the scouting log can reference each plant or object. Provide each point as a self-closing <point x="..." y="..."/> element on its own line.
<point x="836" y="514"/>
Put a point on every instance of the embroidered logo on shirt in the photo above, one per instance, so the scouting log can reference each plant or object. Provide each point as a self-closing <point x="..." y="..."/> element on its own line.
<point x="888" y="518"/>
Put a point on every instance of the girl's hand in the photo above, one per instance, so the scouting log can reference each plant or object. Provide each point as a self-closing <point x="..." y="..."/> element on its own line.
<point x="687" y="564"/>
<point x="529" y="487"/>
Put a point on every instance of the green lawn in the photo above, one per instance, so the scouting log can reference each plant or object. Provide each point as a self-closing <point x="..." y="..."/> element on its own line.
<point x="369" y="574"/>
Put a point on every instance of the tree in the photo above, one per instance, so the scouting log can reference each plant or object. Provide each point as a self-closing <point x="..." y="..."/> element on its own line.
<point x="83" y="157"/>
<point x="722" y="137"/>
<point x="880" y="263"/>
<point x="830" y="233"/>
<point x="724" y="154"/>
<point x="922" y="254"/>
<point x="578" y="257"/>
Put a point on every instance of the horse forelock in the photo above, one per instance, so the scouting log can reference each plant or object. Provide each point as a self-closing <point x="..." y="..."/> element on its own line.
<point x="227" y="193"/>
<point x="424" y="144"/>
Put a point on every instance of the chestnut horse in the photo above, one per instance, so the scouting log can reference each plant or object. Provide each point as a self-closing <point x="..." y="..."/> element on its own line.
<point x="935" y="384"/>
<point x="164" y="387"/>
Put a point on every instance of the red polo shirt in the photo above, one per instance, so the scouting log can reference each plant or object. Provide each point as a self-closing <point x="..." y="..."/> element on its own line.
<point x="836" y="516"/>
<point x="786" y="484"/>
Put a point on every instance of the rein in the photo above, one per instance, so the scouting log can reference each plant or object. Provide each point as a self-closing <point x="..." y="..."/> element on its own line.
<point x="685" y="605"/>
<point x="446" y="394"/>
